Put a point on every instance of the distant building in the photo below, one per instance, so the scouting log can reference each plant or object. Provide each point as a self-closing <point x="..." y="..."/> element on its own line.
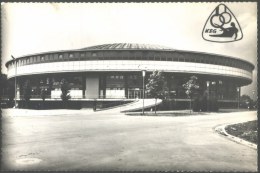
<point x="113" y="71"/>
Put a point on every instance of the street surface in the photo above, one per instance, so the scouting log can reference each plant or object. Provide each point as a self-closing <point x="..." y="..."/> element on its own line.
<point x="86" y="140"/>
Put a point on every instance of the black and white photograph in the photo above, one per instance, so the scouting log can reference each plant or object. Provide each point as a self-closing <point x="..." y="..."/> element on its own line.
<point x="129" y="86"/>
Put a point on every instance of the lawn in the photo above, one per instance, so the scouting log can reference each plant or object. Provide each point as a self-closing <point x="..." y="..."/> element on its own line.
<point x="246" y="131"/>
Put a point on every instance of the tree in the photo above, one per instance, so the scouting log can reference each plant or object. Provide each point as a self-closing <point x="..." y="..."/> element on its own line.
<point x="246" y="101"/>
<point x="157" y="86"/>
<point x="27" y="91"/>
<point x="191" y="87"/>
<point x="65" y="96"/>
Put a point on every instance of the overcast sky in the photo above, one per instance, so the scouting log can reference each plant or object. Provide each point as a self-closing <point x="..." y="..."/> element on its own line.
<point x="41" y="27"/>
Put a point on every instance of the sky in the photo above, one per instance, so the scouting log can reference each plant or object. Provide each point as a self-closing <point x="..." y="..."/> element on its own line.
<point x="29" y="28"/>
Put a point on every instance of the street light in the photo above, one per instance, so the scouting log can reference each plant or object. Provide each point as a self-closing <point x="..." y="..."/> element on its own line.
<point x="15" y="99"/>
<point x="208" y="96"/>
<point x="253" y="104"/>
<point x="238" y="94"/>
<point x="143" y="74"/>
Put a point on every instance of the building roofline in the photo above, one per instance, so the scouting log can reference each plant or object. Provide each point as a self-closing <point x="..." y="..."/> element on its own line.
<point x="131" y="49"/>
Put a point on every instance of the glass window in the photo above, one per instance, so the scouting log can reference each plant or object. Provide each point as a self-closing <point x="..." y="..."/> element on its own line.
<point x="46" y="57"/>
<point x="56" y="57"/>
<point x="60" y="56"/>
<point x="212" y="60"/>
<point x="240" y="65"/>
<point x="71" y="55"/>
<point x="51" y="57"/>
<point x="248" y="68"/>
<point x="94" y="54"/>
<point x="42" y="58"/>
<point x="48" y="81"/>
<point x="218" y="61"/>
<point x="82" y="55"/>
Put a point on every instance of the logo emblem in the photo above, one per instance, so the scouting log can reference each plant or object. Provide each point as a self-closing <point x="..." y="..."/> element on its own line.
<point x="222" y="26"/>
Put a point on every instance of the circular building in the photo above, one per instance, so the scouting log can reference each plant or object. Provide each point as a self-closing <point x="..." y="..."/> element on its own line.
<point x="114" y="71"/>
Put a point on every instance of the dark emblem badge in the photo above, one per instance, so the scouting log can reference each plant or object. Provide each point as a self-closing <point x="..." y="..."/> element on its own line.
<point x="222" y="26"/>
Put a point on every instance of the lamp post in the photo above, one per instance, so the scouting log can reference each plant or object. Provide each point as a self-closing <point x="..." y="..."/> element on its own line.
<point x="143" y="74"/>
<point x="238" y="94"/>
<point x="15" y="92"/>
<point x="208" y="96"/>
<point x="253" y="97"/>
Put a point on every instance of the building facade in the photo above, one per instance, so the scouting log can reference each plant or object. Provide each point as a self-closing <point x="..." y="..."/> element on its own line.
<point x="114" y="71"/>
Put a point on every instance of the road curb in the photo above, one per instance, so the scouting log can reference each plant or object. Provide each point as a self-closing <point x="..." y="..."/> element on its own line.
<point x="221" y="130"/>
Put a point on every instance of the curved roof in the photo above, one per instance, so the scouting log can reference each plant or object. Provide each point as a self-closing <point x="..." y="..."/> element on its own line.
<point x="117" y="46"/>
<point x="133" y="46"/>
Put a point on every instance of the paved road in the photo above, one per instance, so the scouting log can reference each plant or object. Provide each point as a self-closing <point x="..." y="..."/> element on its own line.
<point x="81" y="140"/>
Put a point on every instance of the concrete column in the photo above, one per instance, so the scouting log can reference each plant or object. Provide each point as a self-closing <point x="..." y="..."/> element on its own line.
<point x="104" y="85"/>
<point x="126" y="85"/>
<point x="92" y="86"/>
<point x="83" y="85"/>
